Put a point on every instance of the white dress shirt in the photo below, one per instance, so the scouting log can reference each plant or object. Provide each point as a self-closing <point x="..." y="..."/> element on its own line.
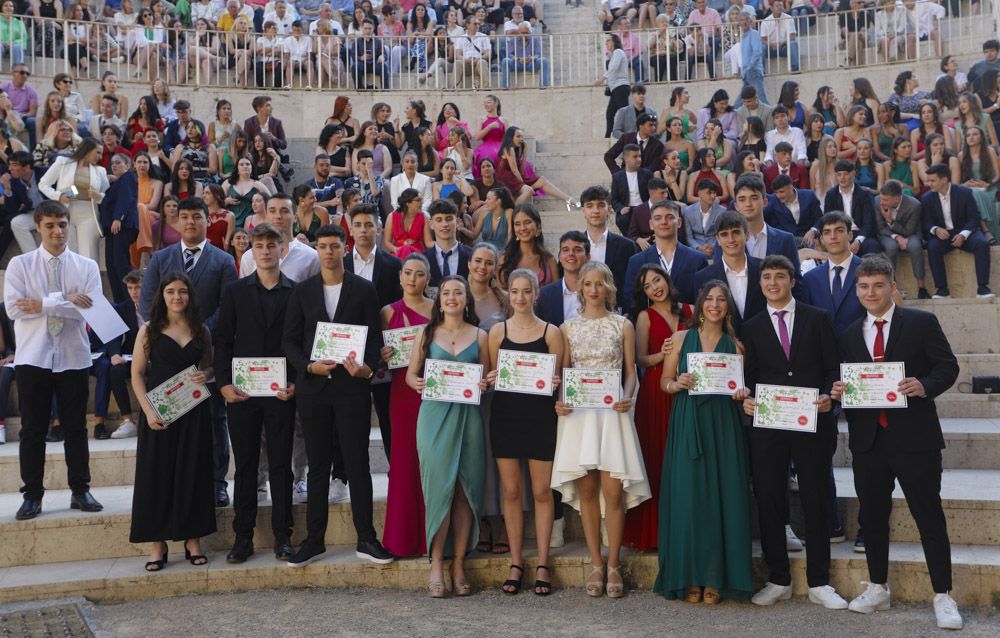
<point x="331" y="298"/>
<point x="299" y="263"/>
<point x="757" y="244"/>
<point x="869" y="331"/>
<point x="475" y="47"/>
<point x="452" y="258"/>
<point x="27" y="277"/>
<point x="364" y="268"/>
<point x="738" y="280"/>
<point x="949" y="223"/>
<point x="791" y="135"/>
<point x="789" y="318"/>
<point x="632" y="178"/>
<point x="667" y="264"/>
<point x="571" y="304"/>
<point x="794" y="208"/>
<point x="777" y="30"/>
<point x="599" y="247"/>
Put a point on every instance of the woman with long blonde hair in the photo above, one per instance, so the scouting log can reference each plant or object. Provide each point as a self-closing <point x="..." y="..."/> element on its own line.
<point x="821" y="174"/>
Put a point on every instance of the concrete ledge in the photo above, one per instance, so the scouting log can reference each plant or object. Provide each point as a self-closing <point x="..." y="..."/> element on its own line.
<point x="970" y="444"/>
<point x="961" y="271"/>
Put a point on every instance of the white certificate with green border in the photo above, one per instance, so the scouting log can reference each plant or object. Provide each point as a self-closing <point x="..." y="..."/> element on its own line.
<point x="177" y="396"/>
<point x="785" y="407"/>
<point x="715" y="372"/>
<point x="401" y="341"/>
<point x="873" y="385"/>
<point x="260" y="377"/>
<point x="339" y="341"/>
<point x="452" y="381"/>
<point x="525" y="372"/>
<point x="591" y="387"/>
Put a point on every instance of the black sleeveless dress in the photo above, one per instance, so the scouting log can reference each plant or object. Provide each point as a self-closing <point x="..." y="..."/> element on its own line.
<point x="523" y="426"/>
<point x="173" y="497"/>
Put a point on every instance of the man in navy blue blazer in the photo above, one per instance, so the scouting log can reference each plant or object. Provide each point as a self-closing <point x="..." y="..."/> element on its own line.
<point x="447" y="256"/>
<point x="680" y="261"/>
<point x="736" y="268"/>
<point x="859" y="204"/>
<point x="951" y="220"/>
<point x="607" y="247"/>
<point x="557" y="301"/>
<point x="791" y="209"/>
<point x="830" y="286"/>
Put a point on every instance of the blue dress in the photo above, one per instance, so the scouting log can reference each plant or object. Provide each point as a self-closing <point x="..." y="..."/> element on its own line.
<point x="865" y="177"/>
<point x="496" y="237"/>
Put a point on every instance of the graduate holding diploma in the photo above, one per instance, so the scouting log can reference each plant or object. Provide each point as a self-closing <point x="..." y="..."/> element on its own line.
<point x="792" y="345"/>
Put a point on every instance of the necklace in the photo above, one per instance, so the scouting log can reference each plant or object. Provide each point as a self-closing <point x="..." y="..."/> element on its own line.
<point x="523" y="327"/>
<point x="452" y="333"/>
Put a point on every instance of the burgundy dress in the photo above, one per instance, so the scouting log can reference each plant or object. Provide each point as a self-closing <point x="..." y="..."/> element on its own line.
<point x="652" y="413"/>
<point x="404" y="533"/>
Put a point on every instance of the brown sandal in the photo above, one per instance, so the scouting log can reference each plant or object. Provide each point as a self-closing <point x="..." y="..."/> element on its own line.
<point x="692" y="594"/>
<point x="711" y="596"/>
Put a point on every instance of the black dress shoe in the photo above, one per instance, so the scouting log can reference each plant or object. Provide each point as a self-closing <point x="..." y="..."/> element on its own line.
<point x="308" y="552"/>
<point x="29" y="509"/>
<point x="283" y="549"/>
<point x="221" y="497"/>
<point x="85" y="502"/>
<point x="374" y="552"/>
<point x="242" y="550"/>
<point x="101" y="432"/>
<point x="55" y="435"/>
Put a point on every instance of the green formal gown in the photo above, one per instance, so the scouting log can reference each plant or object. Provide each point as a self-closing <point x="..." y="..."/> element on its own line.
<point x="705" y="493"/>
<point x="450" y="447"/>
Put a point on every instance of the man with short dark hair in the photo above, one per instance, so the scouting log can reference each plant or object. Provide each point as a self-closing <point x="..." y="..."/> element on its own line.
<point x="626" y="119"/>
<point x="990" y="62"/>
<point x="700" y="217"/>
<point x="629" y="187"/>
<point x="793" y="210"/>
<point x="447" y="256"/>
<point x="325" y="186"/>
<point x="108" y="115"/>
<point x="298" y="261"/>
<point x="650" y="147"/>
<point x="753" y="105"/>
<point x="761" y="239"/>
<point x="607" y="247"/>
<point x="735" y="267"/>
<point x="898" y="224"/>
<point x="858" y="204"/>
<point x="783" y="131"/>
<point x="121" y="363"/>
<point x="680" y="262"/>
<point x="638" y="229"/>
<point x="783" y="165"/>
<point x="22" y="195"/>
<point x="557" y="302"/>
<point x="262" y="122"/>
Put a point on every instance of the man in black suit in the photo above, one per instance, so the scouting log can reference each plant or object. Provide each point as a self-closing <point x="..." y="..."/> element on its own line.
<point x="251" y="320"/>
<point x="629" y="187"/>
<point x="791" y="209"/>
<point x="446" y="256"/>
<point x="901" y="444"/>
<point x="382" y="271"/>
<point x="650" y="147"/>
<point x="736" y="267"/>
<point x="607" y="247"/>
<point x="121" y="363"/>
<point x="858" y="203"/>
<point x="680" y="261"/>
<point x="333" y="397"/>
<point x="557" y="302"/>
<point x="951" y="220"/>
<point x="792" y="344"/>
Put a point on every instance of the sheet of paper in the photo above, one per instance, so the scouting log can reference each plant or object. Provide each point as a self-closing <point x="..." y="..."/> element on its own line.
<point x="103" y="319"/>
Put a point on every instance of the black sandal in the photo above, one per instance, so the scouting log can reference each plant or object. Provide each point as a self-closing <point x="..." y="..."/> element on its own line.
<point x="542" y="584"/>
<point x="157" y="565"/>
<point x="194" y="559"/>
<point x="485" y="545"/>
<point x="515" y="585"/>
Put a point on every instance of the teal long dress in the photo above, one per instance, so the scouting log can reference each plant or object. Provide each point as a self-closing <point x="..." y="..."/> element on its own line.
<point x="986" y="201"/>
<point x="704" y="493"/>
<point x="450" y="447"/>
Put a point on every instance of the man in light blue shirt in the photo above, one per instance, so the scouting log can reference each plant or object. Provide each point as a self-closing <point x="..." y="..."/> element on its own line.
<point x="752" y="57"/>
<point x="524" y="53"/>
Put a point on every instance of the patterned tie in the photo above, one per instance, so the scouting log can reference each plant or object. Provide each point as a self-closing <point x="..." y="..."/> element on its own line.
<point x="445" y="254"/>
<point x="786" y="343"/>
<point x="879" y="352"/>
<point x="54" y="324"/>
<point x="642" y="147"/>
<point x="189" y="255"/>
<point x="838" y="283"/>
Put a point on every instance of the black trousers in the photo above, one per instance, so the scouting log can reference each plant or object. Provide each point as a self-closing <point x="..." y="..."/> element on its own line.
<point x="247" y="419"/>
<point x="380" y="397"/>
<point x="120" y="376"/>
<point x="771" y="451"/>
<point x="118" y="260"/>
<point x="35" y="387"/>
<point x="919" y="474"/>
<point x="220" y="436"/>
<point x="617" y="99"/>
<point x="337" y="424"/>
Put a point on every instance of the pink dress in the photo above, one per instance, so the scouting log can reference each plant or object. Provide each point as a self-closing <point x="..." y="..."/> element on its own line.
<point x="441" y="138"/>
<point x="489" y="146"/>
<point x="408" y="241"/>
<point x="404" y="533"/>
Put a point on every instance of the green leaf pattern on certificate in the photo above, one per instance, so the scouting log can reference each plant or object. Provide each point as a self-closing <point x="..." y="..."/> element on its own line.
<point x="573" y="390"/>
<point x="241" y="373"/>
<point x="168" y="408"/>
<point x="765" y="415"/>
<point x="852" y="378"/>
<point x="434" y="385"/>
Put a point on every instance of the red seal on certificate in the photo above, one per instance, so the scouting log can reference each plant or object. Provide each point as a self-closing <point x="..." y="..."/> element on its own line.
<point x="274" y="387"/>
<point x="196" y="394"/>
<point x="608" y="399"/>
<point x="803" y="420"/>
<point x="467" y="393"/>
<point x="891" y="396"/>
<point x="540" y="384"/>
<point x="352" y="354"/>
<point x="731" y="384"/>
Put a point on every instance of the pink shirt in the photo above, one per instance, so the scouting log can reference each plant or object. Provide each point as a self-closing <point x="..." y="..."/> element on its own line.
<point x="710" y="18"/>
<point x="631" y="44"/>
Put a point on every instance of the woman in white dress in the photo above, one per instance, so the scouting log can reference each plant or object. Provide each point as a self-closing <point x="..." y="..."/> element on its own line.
<point x="598" y="466"/>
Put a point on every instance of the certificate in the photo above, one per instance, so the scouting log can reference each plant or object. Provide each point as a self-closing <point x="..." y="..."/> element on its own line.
<point x="525" y="372"/>
<point x="103" y="319"/>
<point x="260" y="377"/>
<point x="591" y="388"/>
<point x="784" y="407"/>
<point x="401" y="341"/>
<point x="873" y="385"/>
<point x="715" y="372"/>
<point x="176" y="396"/>
<point x="338" y="341"/>
<point x="451" y="381"/>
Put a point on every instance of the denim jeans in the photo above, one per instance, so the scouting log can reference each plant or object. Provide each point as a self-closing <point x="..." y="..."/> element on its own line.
<point x="538" y="65"/>
<point x="790" y="51"/>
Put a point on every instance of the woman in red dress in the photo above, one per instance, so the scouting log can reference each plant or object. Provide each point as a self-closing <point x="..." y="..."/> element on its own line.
<point x="403" y="534"/>
<point x="658" y="316"/>
<point x="221" y="222"/>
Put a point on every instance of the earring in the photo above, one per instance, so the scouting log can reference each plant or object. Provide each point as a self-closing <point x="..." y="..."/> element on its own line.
<point x="701" y="320"/>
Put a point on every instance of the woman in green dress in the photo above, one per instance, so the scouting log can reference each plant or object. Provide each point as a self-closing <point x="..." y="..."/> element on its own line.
<point x="979" y="169"/>
<point x="705" y="488"/>
<point x="901" y="168"/>
<point x="450" y="435"/>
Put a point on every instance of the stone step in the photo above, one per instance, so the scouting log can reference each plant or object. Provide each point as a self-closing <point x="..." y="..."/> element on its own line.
<point x="968" y="406"/>
<point x="961" y="270"/>
<point x="970" y="444"/>
<point x="971" y="365"/>
<point x="976" y="573"/>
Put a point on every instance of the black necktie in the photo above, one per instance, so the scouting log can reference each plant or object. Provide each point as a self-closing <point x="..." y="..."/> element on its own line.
<point x="445" y="254"/>
<point x="838" y="285"/>
<point x="642" y="147"/>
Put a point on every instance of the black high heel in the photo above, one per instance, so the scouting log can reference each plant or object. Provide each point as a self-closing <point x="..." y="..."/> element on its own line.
<point x="515" y="585"/>
<point x="157" y="565"/>
<point x="194" y="559"/>
<point x="542" y="584"/>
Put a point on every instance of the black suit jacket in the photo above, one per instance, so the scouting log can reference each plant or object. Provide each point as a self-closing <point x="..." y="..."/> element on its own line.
<point x="652" y="154"/>
<point x="964" y="212"/>
<point x="385" y="276"/>
<point x="358" y="306"/>
<point x="126" y="310"/>
<point x="464" y="255"/>
<point x="755" y="301"/>
<point x="620" y="194"/>
<point x="620" y="250"/>
<point x="550" y="303"/>
<point x="813" y="362"/>
<point x="862" y="209"/>
<point x="243" y="331"/>
<point x="915" y="338"/>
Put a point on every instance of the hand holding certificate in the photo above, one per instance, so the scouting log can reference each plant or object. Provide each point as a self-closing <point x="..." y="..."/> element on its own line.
<point x="452" y="381"/>
<point x="873" y="385"/>
<point x="525" y="372"/>
<point x="177" y="396"/>
<point x="401" y="341"/>
<point x="783" y="407"/>
<point x="262" y="377"/>
<point x="590" y="388"/>
<point x="715" y="372"/>
<point x="338" y="341"/>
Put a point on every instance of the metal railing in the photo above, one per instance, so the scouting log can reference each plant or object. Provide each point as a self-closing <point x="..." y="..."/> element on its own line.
<point x="204" y="58"/>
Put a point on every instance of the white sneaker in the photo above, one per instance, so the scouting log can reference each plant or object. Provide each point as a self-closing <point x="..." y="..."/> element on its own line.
<point x="125" y="430"/>
<point x="339" y="492"/>
<point x="558" y="528"/>
<point x="792" y="542"/>
<point x="946" y="611"/>
<point x="827" y="596"/>
<point x="300" y="493"/>
<point x="771" y="594"/>
<point x="875" y="598"/>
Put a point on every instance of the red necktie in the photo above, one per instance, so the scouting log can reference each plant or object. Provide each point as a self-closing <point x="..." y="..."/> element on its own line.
<point x="879" y="352"/>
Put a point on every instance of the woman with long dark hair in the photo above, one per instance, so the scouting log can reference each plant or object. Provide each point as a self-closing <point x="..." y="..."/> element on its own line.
<point x="674" y="175"/>
<point x="615" y="79"/>
<point x="789" y="98"/>
<point x="901" y="167"/>
<point x="752" y="139"/>
<point x="930" y="123"/>
<point x="970" y="113"/>
<point x="79" y="182"/>
<point x="407" y="230"/>
<point x="173" y="498"/>
<point x="679" y="99"/>
<point x="447" y="119"/>
<point x="240" y="190"/>
<point x="846" y="138"/>
<point x="979" y="169"/>
<point x="145" y="118"/>
<point x="674" y="140"/>
<point x="945" y="96"/>
<point x="221" y="222"/>
<point x="526" y="248"/>
<point x="166" y="230"/>
<point x="489" y="134"/>
<point x="704" y="167"/>
<point x="827" y="106"/>
<point x="416" y="118"/>
<point x="863" y="94"/>
<point x="936" y="152"/>
<point x="516" y="173"/>
<point x="719" y="108"/>
<point x="428" y="160"/>
<point x="182" y="183"/>
<point x="745" y="162"/>
<point x="495" y="219"/>
<point x="886" y="130"/>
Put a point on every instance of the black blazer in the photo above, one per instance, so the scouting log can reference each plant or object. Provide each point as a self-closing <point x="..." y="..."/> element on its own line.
<point x="862" y="209"/>
<point x="550" y="303"/>
<point x="813" y="363"/>
<point x="7" y="326"/>
<point x="916" y="339"/>
<point x="242" y="331"/>
<point x="620" y="250"/>
<point x="126" y="310"/>
<point x="755" y="301"/>
<point x="652" y="154"/>
<point x="358" y="306"/>
<point x="119" y="203"/>
<point x="464" y="255"/>
<point x="964" y="212"/>
<point x="620" y="195"/>
<point x="385" y="276"/>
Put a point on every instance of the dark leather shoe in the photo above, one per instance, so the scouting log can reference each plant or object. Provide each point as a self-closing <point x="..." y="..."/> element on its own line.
<point x="29" y="509"/>
<point x="101" y="432"/>
<point x="85" y="502"/>
<point x="55" y="435"/>
<point x="308" y="552"/>
<point x="221" y="497"/>
<point x="374" y="552"/>
<point x="242" y="550"/>
<point x="283" y="548"/>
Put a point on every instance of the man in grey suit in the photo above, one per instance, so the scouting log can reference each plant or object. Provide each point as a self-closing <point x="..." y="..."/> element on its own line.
<point x="898" y="222"/>
<point x="626" y="116"/>
<point x="210" y="270"/>
<point x="700" y="218"/>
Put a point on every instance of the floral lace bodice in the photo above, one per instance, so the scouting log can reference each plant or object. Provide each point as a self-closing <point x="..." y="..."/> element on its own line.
<point x="596" y="343"/>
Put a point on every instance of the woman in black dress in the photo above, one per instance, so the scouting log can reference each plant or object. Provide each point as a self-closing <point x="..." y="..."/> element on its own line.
<point x="173" y="498"/>
<point x="514" y="437"/>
